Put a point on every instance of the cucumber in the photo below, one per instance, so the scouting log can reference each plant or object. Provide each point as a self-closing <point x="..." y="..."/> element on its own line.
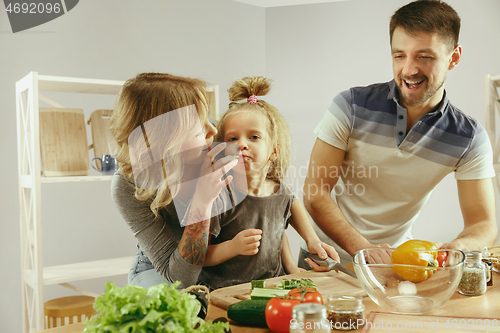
<point x="249" y="313"/>
<point x="267" y="293"/>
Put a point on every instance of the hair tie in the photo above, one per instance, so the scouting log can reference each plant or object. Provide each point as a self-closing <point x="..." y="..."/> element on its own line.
<point x="252" y="99"/>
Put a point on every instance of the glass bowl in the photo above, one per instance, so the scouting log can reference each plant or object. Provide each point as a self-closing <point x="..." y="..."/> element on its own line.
<point x="493" y="253"/>
<point x="408" y="289"/>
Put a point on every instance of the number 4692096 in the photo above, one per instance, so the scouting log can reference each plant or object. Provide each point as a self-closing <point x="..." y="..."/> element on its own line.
<point x="33" y="8"/>
<point x="472" y="324"/>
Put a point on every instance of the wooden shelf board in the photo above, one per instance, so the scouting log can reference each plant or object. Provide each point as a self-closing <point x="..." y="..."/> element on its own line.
<point x="79" y="85"/>
<point x="26" y="181"/>
<point x="75" y="179"/>
<point x="83" y="270"/>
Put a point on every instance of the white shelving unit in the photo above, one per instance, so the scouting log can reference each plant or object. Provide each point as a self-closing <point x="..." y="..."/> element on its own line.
<point x="34" y="276"/>
<point x="492" y="97"/>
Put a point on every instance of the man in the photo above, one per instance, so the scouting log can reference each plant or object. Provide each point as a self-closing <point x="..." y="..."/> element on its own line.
<point x="392" y="143"/>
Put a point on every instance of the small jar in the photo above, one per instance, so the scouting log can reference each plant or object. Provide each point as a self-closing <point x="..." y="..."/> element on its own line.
<point x="488" y="265"/>
<point x="310" y="318"/>
<point x="475" y="275"/>
<point x="346" y="312"/>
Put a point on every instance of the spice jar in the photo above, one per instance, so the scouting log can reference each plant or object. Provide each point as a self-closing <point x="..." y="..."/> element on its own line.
<point x="310" y="318"/>
<point x="475" y="275"/>
<point x="492" y="253"/>
<point x="345" y="312"/>
<point x="488" y="265"/>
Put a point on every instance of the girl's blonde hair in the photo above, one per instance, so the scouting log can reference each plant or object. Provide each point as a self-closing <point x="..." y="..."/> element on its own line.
<point x="279" y="131"/>
<point x="151" y="96"/>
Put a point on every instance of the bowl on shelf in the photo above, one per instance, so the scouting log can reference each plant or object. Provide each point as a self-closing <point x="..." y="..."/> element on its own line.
<point x="408" y="289"/>
<point x="493" y="253"/>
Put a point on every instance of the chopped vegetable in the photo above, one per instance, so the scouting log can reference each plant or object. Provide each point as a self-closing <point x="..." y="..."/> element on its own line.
<point x="160" y="308"/>
<point x="267" y="293"/>
<point x="294" y="283"/>
<point x="258" y="284"/>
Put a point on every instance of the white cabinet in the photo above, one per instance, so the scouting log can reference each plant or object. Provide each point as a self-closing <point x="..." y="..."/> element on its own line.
<point x="34" y="276"/>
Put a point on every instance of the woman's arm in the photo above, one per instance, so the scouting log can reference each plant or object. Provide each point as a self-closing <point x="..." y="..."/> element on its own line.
<point x="153" y="233"/>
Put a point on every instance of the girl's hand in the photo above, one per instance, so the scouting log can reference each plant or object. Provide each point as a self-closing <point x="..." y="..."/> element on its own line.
<point x="323" y="250"/>
<point x="247" y="242"/>
<point x="295" y="269"/>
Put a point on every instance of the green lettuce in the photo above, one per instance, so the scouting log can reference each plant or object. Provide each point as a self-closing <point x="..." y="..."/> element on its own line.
<point x="160" y="308"/>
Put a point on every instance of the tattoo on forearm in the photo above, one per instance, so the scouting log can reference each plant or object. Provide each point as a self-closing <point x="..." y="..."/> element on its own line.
<point x="195" y="249"/>
<point x="196" y="233"/>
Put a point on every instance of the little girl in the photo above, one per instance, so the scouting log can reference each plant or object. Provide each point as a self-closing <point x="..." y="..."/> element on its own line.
<point x="252" y="243"/>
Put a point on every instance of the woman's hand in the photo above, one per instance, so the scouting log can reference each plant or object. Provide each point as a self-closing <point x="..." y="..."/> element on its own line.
<point x="211" y="181"/>
<point x="246" y="242"/>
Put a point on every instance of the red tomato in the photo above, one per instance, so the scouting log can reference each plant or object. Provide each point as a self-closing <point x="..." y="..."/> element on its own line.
<point x="311" y="295"/>
<point x="279" y="314"/>
<point x="441" y="258"/>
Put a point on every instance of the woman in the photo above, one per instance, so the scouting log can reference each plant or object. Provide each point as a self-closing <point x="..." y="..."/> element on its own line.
<point x="166" y="185"/>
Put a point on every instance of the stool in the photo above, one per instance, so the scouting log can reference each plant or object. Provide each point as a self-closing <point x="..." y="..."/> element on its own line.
<point x="62" y="311"/>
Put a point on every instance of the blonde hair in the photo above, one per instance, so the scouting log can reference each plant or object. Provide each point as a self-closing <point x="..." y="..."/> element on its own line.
<point x="279" y="131"/>
<point x="151" y="96"/>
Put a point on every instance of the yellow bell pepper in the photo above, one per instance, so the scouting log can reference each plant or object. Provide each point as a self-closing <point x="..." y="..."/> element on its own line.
<point x="426" y="256"/>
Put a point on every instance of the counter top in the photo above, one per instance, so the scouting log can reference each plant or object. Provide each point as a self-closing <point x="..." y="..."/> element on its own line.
<point x="484" y="306"/>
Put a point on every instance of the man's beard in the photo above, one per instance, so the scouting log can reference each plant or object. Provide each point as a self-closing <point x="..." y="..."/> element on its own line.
<point x="415" y="100"/>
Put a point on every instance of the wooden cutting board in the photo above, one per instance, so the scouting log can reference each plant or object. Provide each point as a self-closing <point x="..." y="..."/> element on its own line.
<point x="103" y="141"/>
<point x="63" y="142"/>
<point x="383" y="322"/>
<point x="327" y="283"/>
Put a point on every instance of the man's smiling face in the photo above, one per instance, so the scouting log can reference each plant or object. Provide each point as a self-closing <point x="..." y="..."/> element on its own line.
<point x="420" y="62"/>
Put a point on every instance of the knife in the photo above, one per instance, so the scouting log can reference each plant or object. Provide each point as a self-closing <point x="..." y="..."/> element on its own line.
<point x="331" y="265"/>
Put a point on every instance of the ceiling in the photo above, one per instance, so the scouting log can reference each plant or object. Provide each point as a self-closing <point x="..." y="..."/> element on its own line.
<point x="279" y="3"/>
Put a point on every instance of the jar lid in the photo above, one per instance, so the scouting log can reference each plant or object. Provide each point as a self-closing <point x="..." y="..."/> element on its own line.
<point x="474" y="255"/>
<point x="345" y="303"/>
<point x="309" y="311"/>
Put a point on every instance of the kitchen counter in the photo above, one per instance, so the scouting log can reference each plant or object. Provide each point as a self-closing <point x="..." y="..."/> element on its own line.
<point x="484" y="306"/>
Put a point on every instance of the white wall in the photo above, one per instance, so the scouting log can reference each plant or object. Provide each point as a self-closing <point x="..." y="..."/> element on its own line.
<point x="115" y="40"/>
<point x="314" y="52"/>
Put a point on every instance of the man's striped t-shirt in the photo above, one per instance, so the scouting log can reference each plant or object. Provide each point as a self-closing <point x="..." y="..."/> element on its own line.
<point x="388" y="172"/>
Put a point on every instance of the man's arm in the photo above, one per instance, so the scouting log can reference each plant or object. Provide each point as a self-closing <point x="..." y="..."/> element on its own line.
<point x="326" y="161"/>
<point x="477" y="202"/>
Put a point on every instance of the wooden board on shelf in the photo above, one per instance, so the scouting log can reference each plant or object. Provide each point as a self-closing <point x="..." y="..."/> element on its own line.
<point x="103" y="141"/>
<point x="327" y="283"/>
<point x="63" y="142"/>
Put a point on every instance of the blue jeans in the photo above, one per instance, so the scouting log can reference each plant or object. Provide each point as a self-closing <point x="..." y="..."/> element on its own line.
<point x="142" y="272"/>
